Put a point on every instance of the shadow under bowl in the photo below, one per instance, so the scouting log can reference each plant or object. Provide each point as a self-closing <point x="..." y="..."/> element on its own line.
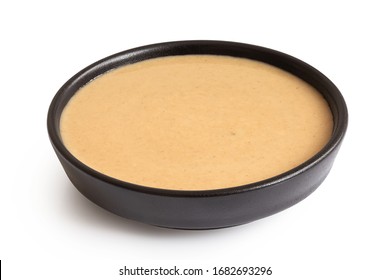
<point x="200" y="209"/>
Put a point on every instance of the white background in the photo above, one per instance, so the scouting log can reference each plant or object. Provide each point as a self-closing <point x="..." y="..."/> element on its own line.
<point x="50" y="231"/>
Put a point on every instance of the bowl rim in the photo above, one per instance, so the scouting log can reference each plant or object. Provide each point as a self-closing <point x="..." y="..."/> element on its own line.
<point x="339" y="112"/>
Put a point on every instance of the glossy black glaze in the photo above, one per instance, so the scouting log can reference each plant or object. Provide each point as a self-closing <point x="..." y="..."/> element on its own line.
<point x="200" y="209"/>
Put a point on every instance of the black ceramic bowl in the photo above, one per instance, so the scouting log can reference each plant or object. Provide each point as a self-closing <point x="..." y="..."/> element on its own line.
<point x="200" y="209"/>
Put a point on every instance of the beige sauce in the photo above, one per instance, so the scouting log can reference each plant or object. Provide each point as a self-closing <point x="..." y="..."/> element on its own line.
<point x="196" y="122"/>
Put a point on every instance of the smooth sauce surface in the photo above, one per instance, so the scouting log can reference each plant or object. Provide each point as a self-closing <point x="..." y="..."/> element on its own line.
<point x="195" y="122"/>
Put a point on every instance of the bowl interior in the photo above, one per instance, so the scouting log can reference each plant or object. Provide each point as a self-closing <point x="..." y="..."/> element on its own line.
<point x="278" y="59"/>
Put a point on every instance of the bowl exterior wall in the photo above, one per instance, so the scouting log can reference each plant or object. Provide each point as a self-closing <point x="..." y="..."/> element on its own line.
<point x="203" y="212"/>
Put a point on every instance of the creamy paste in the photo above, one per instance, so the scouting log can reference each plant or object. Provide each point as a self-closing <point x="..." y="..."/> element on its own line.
<point x="195" y="122"/>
